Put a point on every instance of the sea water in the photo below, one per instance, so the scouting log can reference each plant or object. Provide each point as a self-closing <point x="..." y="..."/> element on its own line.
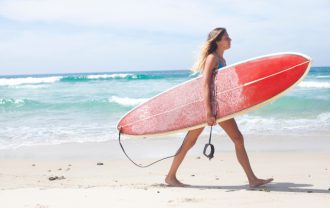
<point x="66" y="108"/>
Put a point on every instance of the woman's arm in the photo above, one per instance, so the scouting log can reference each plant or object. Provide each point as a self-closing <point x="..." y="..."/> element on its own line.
<point x="210" y="65"/>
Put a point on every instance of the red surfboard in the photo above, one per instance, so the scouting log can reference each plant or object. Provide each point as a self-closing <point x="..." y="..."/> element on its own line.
<point x="239" y="88"/>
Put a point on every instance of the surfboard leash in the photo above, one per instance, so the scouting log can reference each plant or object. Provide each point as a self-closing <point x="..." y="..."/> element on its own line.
<point x="214" y="104"/>
<point x="145" y="166"/>
<point x="209" y="154"/>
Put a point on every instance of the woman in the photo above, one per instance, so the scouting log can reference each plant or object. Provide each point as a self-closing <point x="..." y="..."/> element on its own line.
<point x="211" y="58"/>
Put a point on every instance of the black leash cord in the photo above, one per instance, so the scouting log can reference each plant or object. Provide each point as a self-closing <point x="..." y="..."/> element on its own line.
<point x="209" y="155"/>
<point x="145" y="166"/>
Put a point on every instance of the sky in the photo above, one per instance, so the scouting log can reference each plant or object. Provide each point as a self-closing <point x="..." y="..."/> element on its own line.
<point x="69" y="36"/>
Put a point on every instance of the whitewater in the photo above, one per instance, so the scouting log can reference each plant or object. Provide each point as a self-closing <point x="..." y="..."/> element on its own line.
<point x="85" y="107"/>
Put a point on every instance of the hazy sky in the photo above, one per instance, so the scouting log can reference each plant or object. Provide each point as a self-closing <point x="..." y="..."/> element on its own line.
<point x="57" y="36"/>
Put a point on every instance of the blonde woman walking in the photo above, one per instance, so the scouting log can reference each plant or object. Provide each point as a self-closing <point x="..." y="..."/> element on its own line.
<point x="210" y="60"/>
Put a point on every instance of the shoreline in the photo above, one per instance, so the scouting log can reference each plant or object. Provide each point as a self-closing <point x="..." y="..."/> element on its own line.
<point x="158" y="147"/>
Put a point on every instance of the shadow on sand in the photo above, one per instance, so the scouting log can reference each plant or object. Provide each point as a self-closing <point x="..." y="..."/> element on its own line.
<point x="273" y="187"/>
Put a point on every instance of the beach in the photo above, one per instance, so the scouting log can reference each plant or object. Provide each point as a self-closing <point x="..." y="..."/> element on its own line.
<point x="59" y="146"/>
<point x="80" y="81"/>
<point x="99" y="175"/>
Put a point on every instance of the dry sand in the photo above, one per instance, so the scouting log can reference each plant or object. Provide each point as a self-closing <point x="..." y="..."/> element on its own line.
<point x="301" y="176"/>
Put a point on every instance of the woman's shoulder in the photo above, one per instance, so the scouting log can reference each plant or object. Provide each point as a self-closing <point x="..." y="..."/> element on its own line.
<point x="212" y="60"/>
<point x="211" y="56"/>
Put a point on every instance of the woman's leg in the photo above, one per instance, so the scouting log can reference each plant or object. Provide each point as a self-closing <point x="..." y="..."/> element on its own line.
<point x="188" y="143"/>
<point x="233" y="132"/>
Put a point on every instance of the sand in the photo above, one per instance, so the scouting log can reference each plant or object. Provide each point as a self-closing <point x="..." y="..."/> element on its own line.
<point x="99" y="175"/>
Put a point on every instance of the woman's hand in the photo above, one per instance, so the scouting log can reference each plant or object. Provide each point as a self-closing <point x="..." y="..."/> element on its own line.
<point x="211" y="121"/>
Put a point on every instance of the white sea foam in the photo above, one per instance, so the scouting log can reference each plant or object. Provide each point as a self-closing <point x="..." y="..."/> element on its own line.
<point x="325" y="76"/>
<point x="125" y="101"/>
<point x="271" y="125"/>
<point x="27" y="136"/>
<point x="30" y="86"/>
<point x="311" y="84"/>
<point x="109" y="76"/>
<point x="324" y="117"/>
<point x="4" y="101"/>
<point x="32" y="135"/>
<point x="28" y="80"/>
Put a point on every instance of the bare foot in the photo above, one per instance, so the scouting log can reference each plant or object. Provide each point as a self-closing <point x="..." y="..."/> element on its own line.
<point x="174" y="182"/>
<point x="259" y="182"/>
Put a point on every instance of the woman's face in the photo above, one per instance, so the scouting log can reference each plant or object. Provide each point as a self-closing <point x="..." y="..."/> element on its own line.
<point x="225" y="42"/>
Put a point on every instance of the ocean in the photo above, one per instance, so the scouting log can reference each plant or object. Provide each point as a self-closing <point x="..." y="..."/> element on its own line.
<point x="85" y="107"/>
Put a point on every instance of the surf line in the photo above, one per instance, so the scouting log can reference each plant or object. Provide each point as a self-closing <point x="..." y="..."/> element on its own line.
<point x="200" y="100"/>
<point x="145" y="166"/>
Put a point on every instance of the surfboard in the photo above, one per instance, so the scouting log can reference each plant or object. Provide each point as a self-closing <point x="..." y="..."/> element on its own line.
<point x="239" y="88"/>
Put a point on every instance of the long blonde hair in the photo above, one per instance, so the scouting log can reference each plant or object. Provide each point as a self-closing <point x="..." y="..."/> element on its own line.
<point x="208" y="47"/>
